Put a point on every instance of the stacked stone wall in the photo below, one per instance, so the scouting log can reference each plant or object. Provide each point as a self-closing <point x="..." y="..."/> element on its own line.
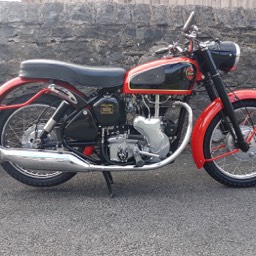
<point x="115" y="34"/>
<point x="212" y="3"/>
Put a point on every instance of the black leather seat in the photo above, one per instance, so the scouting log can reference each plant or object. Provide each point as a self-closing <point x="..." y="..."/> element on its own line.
<point x="73" y="74"/>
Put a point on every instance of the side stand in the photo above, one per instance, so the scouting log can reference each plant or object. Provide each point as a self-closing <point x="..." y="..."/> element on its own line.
<point x="109" y="180"/>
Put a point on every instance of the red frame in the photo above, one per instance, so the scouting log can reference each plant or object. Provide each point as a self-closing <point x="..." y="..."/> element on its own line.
<point x="205" y="119"/>
<point x="17" y="82"/>
<point x="157" y="63"/>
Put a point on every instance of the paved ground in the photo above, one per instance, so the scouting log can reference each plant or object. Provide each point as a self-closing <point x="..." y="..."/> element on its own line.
<point x="180" y="211"/>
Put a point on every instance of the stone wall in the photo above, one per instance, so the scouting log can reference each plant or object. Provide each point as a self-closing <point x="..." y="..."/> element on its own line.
<point x="114" y="34"/>
<point x="212" y="3"/>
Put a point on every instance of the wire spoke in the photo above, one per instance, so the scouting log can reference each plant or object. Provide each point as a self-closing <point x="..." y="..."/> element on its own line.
<point x="20" y="128"/>
<point x="240" y="165"/>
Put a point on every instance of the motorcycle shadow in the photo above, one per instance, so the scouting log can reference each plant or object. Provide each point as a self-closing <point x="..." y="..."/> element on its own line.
<point x="129" y="185"/>
<point x="180" y="179"/>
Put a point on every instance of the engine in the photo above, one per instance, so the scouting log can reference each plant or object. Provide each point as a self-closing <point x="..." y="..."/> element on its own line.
<point x="151" y="143"/>
<point x="130" y="135"/>
<point x="122" y="124"/>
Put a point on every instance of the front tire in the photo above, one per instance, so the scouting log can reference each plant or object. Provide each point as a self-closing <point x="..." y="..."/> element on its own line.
<point x="18" y="128"/>
<point x="237" y="169"/>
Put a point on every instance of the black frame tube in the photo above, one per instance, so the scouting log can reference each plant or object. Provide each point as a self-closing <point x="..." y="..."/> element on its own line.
<point x="181" y="120"/>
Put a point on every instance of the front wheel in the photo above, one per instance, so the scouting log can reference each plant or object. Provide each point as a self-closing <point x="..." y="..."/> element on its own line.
<point x="224" y="162"/>
<point x="18" y="129"/>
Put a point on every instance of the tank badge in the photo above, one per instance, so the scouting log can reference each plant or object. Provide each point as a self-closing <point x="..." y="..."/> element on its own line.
<point x="106" y="109"/>
<point x="190" y="74"/>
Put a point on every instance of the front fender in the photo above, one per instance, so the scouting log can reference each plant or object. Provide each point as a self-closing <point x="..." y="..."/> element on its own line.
<point x="205" y="119"/>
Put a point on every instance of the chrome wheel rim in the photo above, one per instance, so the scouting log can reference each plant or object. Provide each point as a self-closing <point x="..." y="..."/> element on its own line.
<point x="239" y="165"/>
<point x="20" y="130"/>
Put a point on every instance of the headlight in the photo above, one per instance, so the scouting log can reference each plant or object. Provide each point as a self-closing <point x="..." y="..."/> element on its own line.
<point x="225" y="55"/>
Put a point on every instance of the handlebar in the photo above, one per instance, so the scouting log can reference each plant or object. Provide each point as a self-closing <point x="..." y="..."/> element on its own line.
<point x="189" y="32"/>
<point x="172" y="49"/>
<point x="162" y="50"/>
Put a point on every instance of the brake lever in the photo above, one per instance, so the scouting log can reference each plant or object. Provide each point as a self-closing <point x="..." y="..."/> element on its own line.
<point x="171" y="49"/>
<point x="162" y="50"/>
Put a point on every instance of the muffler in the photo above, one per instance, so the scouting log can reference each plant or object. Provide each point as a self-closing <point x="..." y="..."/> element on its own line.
<point x="44" y="160"/>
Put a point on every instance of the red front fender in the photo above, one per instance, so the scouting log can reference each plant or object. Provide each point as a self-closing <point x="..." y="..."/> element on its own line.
<point x="205" y="119"/>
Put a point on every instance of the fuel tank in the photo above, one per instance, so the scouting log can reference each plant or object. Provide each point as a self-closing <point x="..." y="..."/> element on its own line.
<point x="165" y="76"/>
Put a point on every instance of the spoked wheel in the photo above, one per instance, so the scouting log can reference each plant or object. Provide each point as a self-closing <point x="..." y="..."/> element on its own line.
<point x="225" y="162"/>
<point x="19" y="128"/>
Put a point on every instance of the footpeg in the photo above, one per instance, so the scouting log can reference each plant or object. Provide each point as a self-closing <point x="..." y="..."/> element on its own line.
<point x="139" y="161"/>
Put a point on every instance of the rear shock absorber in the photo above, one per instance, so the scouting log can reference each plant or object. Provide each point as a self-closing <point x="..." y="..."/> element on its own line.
<point x="57" y="115"/>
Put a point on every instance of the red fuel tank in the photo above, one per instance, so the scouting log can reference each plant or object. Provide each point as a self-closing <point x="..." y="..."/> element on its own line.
<point x="165" y="76"/>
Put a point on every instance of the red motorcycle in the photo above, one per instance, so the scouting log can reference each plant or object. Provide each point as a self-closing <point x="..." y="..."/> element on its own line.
<point x="135" y="120"/>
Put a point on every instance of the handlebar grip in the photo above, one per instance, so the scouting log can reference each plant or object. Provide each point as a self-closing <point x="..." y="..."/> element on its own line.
<point x="189" y="22"/>
<point x="162" y="50"/>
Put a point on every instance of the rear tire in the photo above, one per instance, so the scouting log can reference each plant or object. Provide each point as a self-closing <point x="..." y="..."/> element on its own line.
<point x="17" y="129"/>
<point x="238" y="169"/>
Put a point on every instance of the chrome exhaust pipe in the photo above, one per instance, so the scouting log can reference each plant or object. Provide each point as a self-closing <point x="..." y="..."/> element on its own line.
<point x="50" y="160"/>
<point x="44" y="160"/>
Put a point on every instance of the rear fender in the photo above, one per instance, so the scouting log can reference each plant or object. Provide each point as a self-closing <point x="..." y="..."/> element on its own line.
<point x="9" y="86"/>
<point x="205" y="119"/>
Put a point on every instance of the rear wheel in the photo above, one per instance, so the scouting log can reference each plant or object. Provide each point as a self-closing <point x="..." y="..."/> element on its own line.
<point x="238" y="168"/>
<point x="19" y="128"/>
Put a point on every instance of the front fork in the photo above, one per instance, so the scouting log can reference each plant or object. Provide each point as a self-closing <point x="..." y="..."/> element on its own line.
<point x="228" y="108"/>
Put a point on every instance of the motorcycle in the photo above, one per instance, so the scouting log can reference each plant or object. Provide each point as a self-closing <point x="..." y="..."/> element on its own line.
<point x="125" y="123"/>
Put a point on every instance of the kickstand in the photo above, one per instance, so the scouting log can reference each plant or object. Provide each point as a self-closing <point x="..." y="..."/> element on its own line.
<point x="109" y="180"/>
<point x="110" y="177"/>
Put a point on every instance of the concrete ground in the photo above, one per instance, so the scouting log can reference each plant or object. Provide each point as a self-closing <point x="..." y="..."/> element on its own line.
<point x="174" y="211"/>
